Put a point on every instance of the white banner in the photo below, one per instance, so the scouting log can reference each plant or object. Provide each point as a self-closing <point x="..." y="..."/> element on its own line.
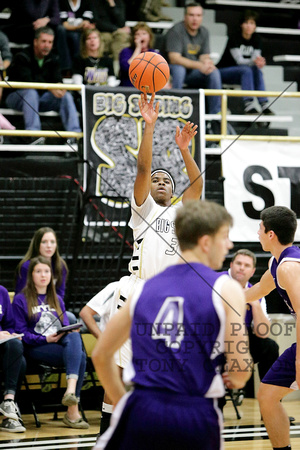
<point x="259" y="175"/>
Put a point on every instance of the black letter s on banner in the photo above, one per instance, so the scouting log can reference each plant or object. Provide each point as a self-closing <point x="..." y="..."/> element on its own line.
<point x="257" y="189"/>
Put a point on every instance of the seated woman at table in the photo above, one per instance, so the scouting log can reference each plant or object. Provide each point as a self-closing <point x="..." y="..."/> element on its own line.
<point x="39" y="314"/>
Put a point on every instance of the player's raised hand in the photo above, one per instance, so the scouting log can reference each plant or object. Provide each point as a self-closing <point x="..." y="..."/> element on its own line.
<point x="184" y="137"/>
<point x="148" y="112"/>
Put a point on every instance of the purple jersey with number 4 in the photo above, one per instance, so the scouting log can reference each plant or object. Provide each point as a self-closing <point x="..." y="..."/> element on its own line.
<point x="177" y="332"/>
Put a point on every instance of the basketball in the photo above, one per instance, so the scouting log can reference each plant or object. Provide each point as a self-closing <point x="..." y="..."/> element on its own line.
<point x="149" y="72"/>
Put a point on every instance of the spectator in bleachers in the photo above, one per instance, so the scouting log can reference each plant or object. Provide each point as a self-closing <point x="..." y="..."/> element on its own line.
<point x="132" y="9"/>
<point x="13" y="366"/>
<point x="242" y="62"/>
<point x="75" y="15"/>
<point x="39" y="314"/>
<point x="29" y="15"/>
<point x="44" y="243"/>
<point x="142" y="40"/>
<point x="91" y="67"/>
<point x="39" y="64"/>
<point x="5" y="57"/>
<point x="110" y="16"/>
<point x="188" y="51"/>
<point x="5" y="61"/>
<point x="150" y="11"/>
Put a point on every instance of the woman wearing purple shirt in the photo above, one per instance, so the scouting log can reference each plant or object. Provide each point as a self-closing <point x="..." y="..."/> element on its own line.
<point x="13" y="365"/>
<point x="44" y="243"/>
<point x="142" y="39"/>
<point x="39" y="314"/>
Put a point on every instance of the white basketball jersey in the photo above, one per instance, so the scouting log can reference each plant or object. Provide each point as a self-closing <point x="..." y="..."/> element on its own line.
<point x="155" y="243"/>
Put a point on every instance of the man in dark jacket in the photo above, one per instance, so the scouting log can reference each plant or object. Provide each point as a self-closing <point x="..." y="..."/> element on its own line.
<point x="38" y="64"/>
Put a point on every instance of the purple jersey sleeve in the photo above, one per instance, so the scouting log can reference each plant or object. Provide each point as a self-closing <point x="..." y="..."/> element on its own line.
<point x="7" y="322"/>
<point x="22" y="277"/>
<point x="24" y="324"/>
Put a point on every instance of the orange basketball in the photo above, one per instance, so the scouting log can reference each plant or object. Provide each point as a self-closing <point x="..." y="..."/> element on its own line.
<point x="149" y="72"/>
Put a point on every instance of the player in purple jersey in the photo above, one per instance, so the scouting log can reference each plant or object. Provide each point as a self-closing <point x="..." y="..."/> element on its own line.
<point x="276" y="234"/>
<point x="180" y="323"/>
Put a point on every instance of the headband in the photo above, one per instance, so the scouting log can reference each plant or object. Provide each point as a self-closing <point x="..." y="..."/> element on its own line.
<point x="168" y="175"/>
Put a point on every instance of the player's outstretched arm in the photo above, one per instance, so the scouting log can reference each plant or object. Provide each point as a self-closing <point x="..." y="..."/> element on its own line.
<point x="183" y="138"/>
<point x="115" y="334"/>
<point x="142" y="183"/>
<point x="239" y="361"/>
<point x="265" y="285"/>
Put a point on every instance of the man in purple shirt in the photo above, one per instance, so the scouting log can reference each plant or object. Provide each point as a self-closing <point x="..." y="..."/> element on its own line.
<point x="264" y="350"/>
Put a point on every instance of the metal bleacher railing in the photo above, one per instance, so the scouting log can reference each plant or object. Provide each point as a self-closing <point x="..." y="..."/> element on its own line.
<point x="224" y="117"/>
<point x="40" y="133"/>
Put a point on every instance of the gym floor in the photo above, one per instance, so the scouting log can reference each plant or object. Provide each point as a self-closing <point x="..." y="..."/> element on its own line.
<point x="247" y="433"/>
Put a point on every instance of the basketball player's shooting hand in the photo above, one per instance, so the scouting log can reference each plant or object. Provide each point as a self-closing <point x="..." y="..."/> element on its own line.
<point x="184" y="137"/>
<point x="148" y="112"/>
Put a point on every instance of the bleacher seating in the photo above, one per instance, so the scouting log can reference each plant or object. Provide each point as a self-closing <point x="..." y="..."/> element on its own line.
<point x="104" y="248"/>
<point x="25" y="204"/>
<point x="277" y="26"/>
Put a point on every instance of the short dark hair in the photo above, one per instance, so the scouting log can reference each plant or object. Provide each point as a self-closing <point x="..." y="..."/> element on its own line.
<point x="45" y="30"/>
<point x="246" y="252"/>
<point x="197" y="218"/>
<point x="249" y="15"/>
<point x="281" y="220"/>
<point x="191" y="5"/>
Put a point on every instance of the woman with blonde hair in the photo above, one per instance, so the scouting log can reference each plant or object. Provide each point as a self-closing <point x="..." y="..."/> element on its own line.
<point x="91" y="66"/>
